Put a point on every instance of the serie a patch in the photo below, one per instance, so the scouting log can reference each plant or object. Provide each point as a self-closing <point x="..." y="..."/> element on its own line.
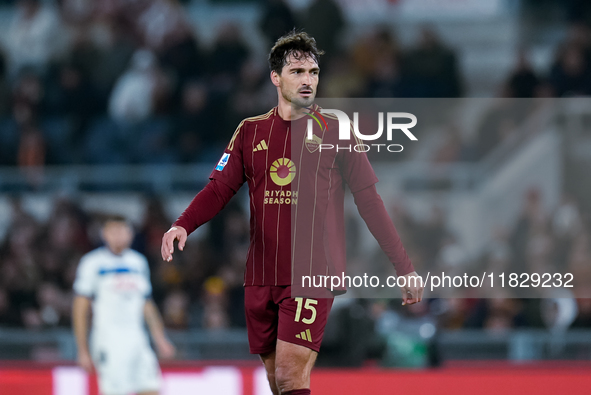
<point x="223" y="162"/>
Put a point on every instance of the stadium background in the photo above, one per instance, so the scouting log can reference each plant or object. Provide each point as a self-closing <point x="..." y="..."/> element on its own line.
<point x="124" y="106"/>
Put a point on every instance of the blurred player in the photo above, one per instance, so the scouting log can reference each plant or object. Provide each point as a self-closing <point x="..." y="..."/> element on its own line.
<point x="115" y="280"/>
<point x="286" y="331"/>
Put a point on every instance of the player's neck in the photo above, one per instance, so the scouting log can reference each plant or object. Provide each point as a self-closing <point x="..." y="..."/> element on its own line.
<point x="287" y="112"/>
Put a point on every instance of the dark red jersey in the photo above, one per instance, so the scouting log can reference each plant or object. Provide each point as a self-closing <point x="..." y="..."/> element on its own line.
<point x="260" y="153"/>
<point x="296" y="198"/>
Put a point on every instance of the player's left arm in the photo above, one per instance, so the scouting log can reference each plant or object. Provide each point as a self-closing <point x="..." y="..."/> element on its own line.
<point x="361" y="178"/>
<point x="155" y="324"/>
<point x="372" y="210"/>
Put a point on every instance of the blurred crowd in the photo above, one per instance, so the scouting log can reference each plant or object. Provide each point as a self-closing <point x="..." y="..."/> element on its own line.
<point x="131" y="82"/>
<point x="202" y="286"/>
<point x="540" y="241"/>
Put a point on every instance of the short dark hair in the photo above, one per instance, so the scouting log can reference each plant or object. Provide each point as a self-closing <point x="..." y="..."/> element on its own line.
<point x="107" y="218"/>
<point x="298" y="44"/>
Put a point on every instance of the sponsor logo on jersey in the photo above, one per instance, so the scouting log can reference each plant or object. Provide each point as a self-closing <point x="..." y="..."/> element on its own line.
<point x="223" y="162"/>
<point x="262" y="146"/>
<point x="282" y="171"/>
<point x="281" y="197"/>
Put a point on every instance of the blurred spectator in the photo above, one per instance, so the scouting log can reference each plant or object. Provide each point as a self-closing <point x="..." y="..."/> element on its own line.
<point x="114" y="47"/>
<point x="233" y="279"/>
<point x="165" y="30"/>
<point x="579" y="35"/>
<point x="452" y="312"/>
<point x="77" y="12"/>
<point x="161" y="23"/>
<point x="8" y="313"/>
<point x="27" y="98"/>
<point x="523" y="81"/>
<point x="184" y="57"/>
<point x="378" y="44"/>
<point x="452" y="148"/>
<point x="214" y="313"/>
<point x="432" y="69"/>
<point x="70" y="103"/>
<point x="20" y="274"/>
<point x="33" y="37"/>
<point x="385" y="78"/>
<point x="155" y="223"/>
<point x="452" y="257"/>
<point x="277" y="19"/>
<point x="570" y="73"/>
<point x="229" y="53"/>
<point x="194" y="126"/>
<point x="73" y="95"/>
<point x="501" y="314"/>
<point x="430" y="235"/>
<point x="532" y="217"/>
<point x="566" y="224"/>
<point x="340" y="78"/>
<point x="254" y="82"/>
<point x="4" y="87"/>
<point x="174" y="310"/>
<point x="31" y="152"/>
<point x="583" y="319"/>
<point x="53" y="309"/>
<point x="324" y="21"/>
<point x="498" y="254"/>
<point x="559" y="312"/>
<point x="578" y="10"/>
<point x="138" y="91"/>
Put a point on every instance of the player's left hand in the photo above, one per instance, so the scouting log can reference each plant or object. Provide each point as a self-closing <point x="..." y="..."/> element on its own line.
<point x="166" y="349"/>
<point x="412" y="292"/>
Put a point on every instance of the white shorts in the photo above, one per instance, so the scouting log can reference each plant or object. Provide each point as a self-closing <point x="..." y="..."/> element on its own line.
<point x="125" y="365"/>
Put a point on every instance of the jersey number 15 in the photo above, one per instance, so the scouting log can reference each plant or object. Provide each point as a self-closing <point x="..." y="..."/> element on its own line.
<point x="309" y="305"/>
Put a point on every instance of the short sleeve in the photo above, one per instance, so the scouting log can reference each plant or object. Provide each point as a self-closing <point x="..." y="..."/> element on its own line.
<point x="356" y="170"/>
<point x="86" y="278"/>
<point x="230" y="168"/>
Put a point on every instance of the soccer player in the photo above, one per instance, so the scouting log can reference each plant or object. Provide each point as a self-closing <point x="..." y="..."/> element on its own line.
<point x="286" y="331"/>
<point x="115" y="280"/>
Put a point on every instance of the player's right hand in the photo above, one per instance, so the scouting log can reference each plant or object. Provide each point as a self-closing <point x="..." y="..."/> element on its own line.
<point x="85" y="361"/>
<point x="174" y="233"/>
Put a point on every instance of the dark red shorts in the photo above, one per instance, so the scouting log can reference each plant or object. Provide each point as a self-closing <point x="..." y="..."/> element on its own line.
<point x="271" y="314"/>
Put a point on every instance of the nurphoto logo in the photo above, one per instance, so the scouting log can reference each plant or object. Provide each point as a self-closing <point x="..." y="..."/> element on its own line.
<point x="345" y="129"/>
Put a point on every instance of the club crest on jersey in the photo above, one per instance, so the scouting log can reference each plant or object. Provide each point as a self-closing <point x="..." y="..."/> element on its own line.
<point x="313" y="144"/>
<point x="223" y="162"/>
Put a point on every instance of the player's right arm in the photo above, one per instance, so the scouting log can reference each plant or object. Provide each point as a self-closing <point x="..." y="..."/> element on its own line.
<point x="225" y="180"/>
<point x="80" y="319"/>
<point x="84" y="290"/>
<point x="210" y="201"/>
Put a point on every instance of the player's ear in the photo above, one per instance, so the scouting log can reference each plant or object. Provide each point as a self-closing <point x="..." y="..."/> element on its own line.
<point x="275" y="78"/>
